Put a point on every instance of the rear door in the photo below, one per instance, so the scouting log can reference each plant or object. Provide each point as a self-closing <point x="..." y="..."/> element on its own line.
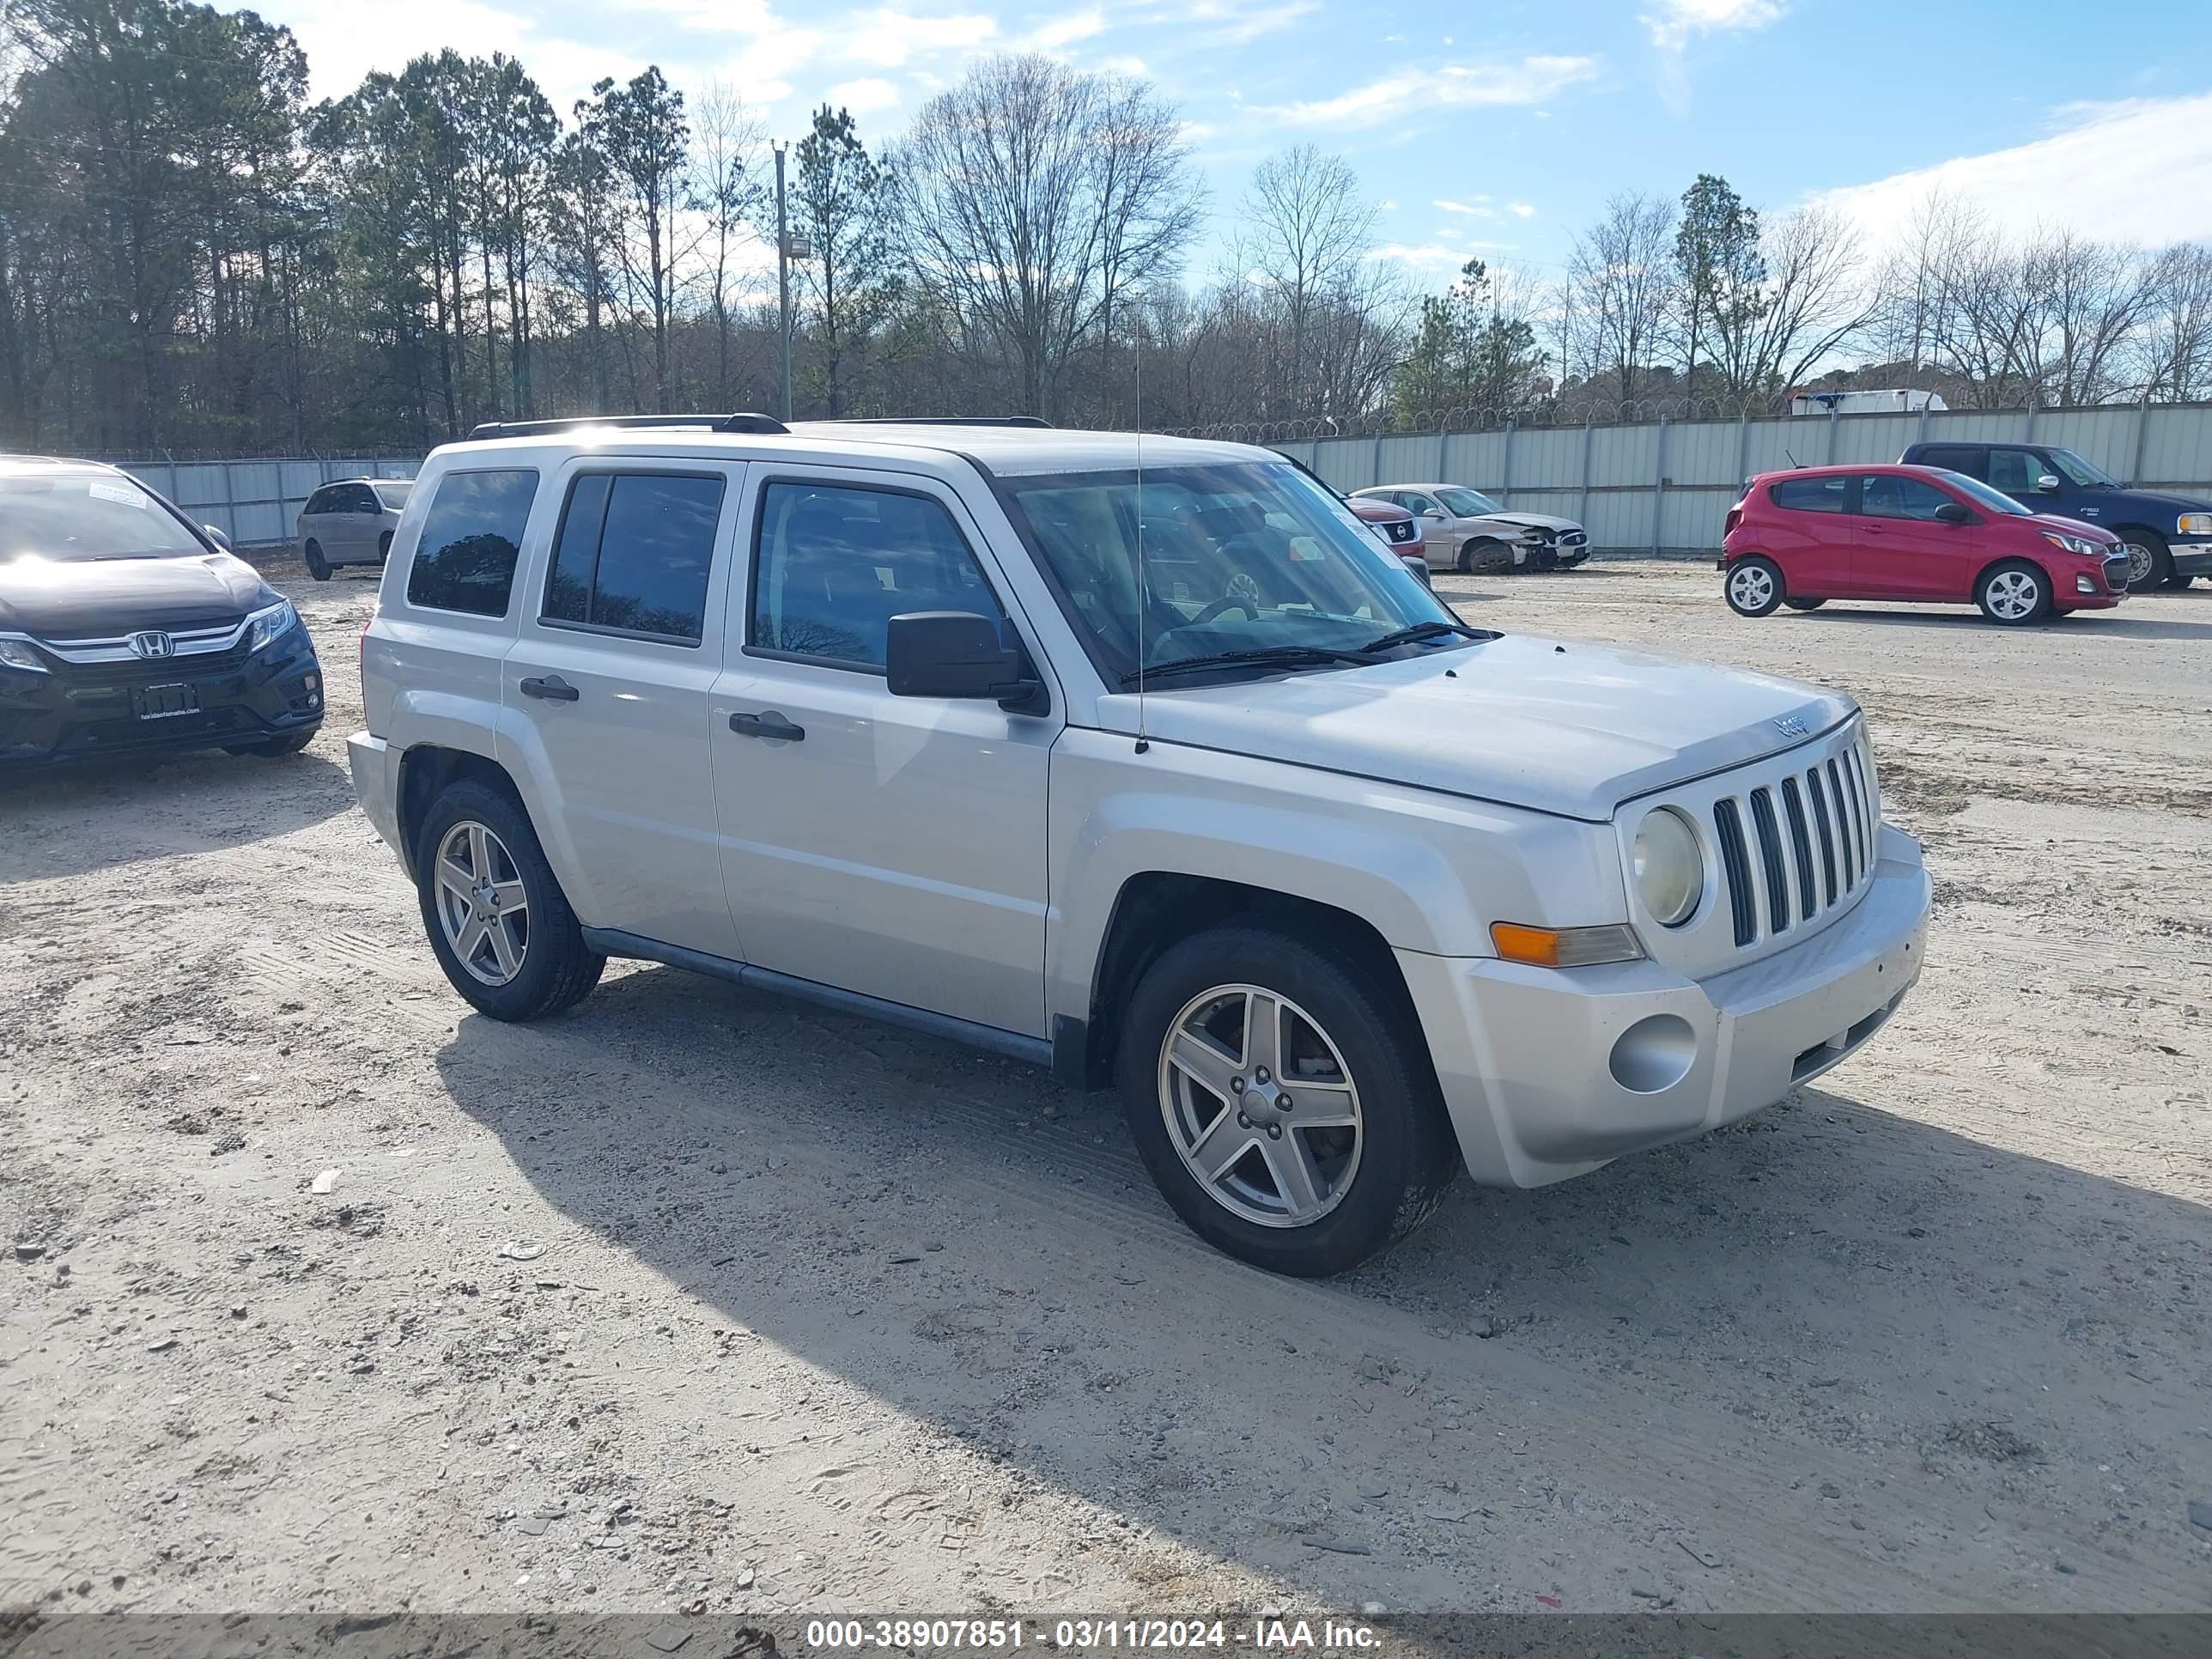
<point x="1904" y="551"/>
<point x="612" y="678"/>
<point x="1808" y="530"/>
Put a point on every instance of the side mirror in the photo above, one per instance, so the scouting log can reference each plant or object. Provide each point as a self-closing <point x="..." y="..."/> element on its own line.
<point x="2047" y="484"/>
<point x="218" y="537"/>
<point x="1431" y="513"/>
<point x="956" y="654"/>
<point x="1953" y="513"/>
<point x="1417" y="565"/>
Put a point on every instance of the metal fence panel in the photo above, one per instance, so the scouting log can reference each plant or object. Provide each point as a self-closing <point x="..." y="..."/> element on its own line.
<point x="1668" y="486"/>
<point x="255" y="502"/>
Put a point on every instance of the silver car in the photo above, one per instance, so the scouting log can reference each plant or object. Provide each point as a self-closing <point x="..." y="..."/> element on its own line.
<point x="1464" y="529"/>
<point x="350" y="522"/>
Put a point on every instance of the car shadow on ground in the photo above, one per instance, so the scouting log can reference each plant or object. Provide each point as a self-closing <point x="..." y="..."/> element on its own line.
<point x="2121" y="624"/>
<point x="94" y="815"/>
<point x="1826" y="1288"/>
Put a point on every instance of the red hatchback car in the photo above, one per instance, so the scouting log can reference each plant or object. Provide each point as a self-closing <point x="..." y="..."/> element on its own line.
<point x="1916" y="533"/>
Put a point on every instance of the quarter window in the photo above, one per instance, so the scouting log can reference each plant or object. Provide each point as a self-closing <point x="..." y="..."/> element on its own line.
<point x="1810" y="495"/>
<point x="633" y="552"/>
<point x="1888" y="496"/>
<point x="471" y="536"/>
<point x="834" y="564"/>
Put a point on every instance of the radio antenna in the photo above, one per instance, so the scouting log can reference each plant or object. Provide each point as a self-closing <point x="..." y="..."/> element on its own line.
<point x="1144" y="595"/>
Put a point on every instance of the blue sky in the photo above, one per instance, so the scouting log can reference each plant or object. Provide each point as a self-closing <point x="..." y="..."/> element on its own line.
<point x="1493" y="129"/>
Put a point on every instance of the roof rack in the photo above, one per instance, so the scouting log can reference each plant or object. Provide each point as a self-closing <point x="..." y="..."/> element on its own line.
<point x="759" y="425"/>
<point x="945" y="420"/>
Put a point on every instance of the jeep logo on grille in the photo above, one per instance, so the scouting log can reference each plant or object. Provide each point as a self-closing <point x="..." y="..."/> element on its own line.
<point x="153" y="644"/>
<point x="1789" y="725"/>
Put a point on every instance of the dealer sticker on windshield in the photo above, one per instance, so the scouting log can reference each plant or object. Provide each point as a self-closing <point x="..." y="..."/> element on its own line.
<point x="123" y="495"/>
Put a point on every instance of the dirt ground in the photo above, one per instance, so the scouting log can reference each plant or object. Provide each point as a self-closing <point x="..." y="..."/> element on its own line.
<point x="694" y="1299"/>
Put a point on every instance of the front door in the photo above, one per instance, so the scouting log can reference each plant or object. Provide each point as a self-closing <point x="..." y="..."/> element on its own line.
<point x="2019" y="472"/>
<point x="1436" y="544"/>
<point x="890" y="845"/>
<point x="1903" y="550"/>
<point x="612" y="676"/>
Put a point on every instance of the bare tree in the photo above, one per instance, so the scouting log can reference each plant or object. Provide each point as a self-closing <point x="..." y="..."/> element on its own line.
<point x="1035" y="198"/>
<point x="2174" y="354"/>
<point x="1809" y="303"/>
<point x="2096" y="294"/>
<point x="1307" y="228"/>
<point x="1621" y="273"/>
<point x="726" y="186"/>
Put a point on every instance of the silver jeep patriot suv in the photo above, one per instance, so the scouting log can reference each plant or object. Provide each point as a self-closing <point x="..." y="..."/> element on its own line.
<point x="1142" y="760"/>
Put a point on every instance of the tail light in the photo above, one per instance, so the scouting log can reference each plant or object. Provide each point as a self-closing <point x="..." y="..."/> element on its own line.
<point x="1735" y="518"/>
<point x="360" y="650"/>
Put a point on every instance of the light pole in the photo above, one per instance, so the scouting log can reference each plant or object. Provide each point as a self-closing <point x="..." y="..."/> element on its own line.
<point x="783" y="276"/>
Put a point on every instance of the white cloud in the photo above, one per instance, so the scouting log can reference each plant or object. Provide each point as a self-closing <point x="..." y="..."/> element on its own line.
<point x="1411" y="92"/>
<point x="340" y="51"/>
<point x="869" y="93"/>
<point x="1436" y="256"/>
<point x="1235" y="22"/>
<point x="1520" y="209"/>
<point x="1674" y="23"/>
<point x="1053" y="35"/>
<point x="2138" y="170"/>
<point x="887" y="38"/>
<point x="1478" y="208"/>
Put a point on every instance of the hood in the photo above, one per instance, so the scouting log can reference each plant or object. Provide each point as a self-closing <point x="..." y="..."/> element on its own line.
<point x="96" y="599"/>
<point x="1554" y="725"/>
<point x="1536" y="521"/>
<point x="2158" y="501"/>
<point x="1377" y="512"/>
<point x="2095" y="532"/>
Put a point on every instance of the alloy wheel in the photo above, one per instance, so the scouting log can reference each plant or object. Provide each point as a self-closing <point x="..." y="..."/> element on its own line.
<point x="482" y="904"/>
<point x="1751" y="587"/>
<point x="2013" y="595"/>
<point x="1261" y="1106"/>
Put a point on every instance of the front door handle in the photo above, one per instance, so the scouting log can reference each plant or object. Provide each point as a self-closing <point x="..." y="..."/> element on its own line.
<point x="552" y="689"/>
<point x="771" y="724"/>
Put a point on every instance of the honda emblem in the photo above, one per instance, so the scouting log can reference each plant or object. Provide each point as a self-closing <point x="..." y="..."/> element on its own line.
<point x="153" y="644"/>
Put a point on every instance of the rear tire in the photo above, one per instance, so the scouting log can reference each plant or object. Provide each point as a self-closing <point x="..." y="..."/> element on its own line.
<point x="1804" y="605"/>
<point x="551" y="968"/>
<point x="1753" y="585"/>
<point x="318" y="567"/>
<point x="2013" y="594"/>
<point x="1361" y="1182"/>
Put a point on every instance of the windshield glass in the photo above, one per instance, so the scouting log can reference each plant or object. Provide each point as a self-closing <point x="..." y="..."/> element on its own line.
<point x="1468" y="503"/>
<point x="1242" y="556"/>
<point x="393" y="495"/>
<point x="1994" y="501"/>
<point x="86" y="515"/>
<point x="2080" y="472"/>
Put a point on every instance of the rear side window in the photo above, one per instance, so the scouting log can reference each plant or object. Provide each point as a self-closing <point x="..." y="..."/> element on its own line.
<point x="1952" y="458"/>
<point x="1809" y="494"/>
<point x="470" y="539"/>
<point x="634" y="553"/>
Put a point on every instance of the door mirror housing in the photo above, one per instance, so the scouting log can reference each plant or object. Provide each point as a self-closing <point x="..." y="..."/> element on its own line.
<point x="1953" y="513"/>
<point x="2047" y="484"/>
<point x="957" y="653"/>
<point x="1419" y="565"/>
<point x="1432" y="513"/>
<point x="218" y="537"/>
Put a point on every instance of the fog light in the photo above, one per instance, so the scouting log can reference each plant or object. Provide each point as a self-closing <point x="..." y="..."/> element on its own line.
<point x="1654" y="1054"/>
<point x="2083" y="585"/>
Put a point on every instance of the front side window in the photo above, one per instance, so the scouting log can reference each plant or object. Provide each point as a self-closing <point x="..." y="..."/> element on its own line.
<point x="1242" y="556"/>
<point x="1983" y="497"/>
<point x="2015" y="471"/>
<point x="359" y="498"/>
<point x="80" y="516"/>
<point x="1889" y="496"/>
<point x="471" y="537"/>
<point x="1414" y="503"/>
<point x="834" y="563"/>
<point x="633" y="552"/>
<point x="2081" y="472"/>
<point x="1810" y="495"/>
<point x="1469" y="503"/>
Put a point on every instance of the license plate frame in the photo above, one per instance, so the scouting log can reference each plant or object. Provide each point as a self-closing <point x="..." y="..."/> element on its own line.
<point x="165" y="703"/>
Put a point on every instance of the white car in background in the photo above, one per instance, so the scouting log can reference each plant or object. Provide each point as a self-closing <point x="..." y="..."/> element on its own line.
<point x="349" y="523"/>
<point x="1465" y="530"/>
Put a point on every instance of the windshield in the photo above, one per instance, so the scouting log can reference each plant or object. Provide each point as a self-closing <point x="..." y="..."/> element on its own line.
<point x="1244" y="556"/>
<point x="2081" y="472"/>
<point x="1994" y="501"/>
<point x="1468" y="503"/>
<point x="87" y="515"/>
<point x="394" y="494"/>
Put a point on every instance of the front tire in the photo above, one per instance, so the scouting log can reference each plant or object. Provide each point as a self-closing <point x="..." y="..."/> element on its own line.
<point x="2013" y="594"/>
<point x="318" y="566"/>
<point x="497" y="919"/>
<point x="1286" y="1112"/>
<point x="1753" y="587"/>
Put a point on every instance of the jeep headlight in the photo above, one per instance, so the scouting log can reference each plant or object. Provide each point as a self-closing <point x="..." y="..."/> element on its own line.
<point x="2193" y="524"/>
<point x="1670" y="866"/>
<point x="267" y="627"/>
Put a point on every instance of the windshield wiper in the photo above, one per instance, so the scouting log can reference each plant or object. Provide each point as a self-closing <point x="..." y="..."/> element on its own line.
<point x="1274" y="656"/>
<point x="1427" y="630"/>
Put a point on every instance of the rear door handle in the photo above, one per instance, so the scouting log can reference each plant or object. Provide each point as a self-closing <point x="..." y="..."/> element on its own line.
<point x="767" y="726"/>
<point x="552" y="689"/>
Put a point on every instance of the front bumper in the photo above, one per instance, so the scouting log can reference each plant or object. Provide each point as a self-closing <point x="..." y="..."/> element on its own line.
<point x="2191" y="558"/>
<point x="1549" y="1073"/>
<point x="94" y="712"/>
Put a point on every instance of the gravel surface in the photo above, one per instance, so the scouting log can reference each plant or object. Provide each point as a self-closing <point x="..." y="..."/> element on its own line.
<point x="325" y="1293"/>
